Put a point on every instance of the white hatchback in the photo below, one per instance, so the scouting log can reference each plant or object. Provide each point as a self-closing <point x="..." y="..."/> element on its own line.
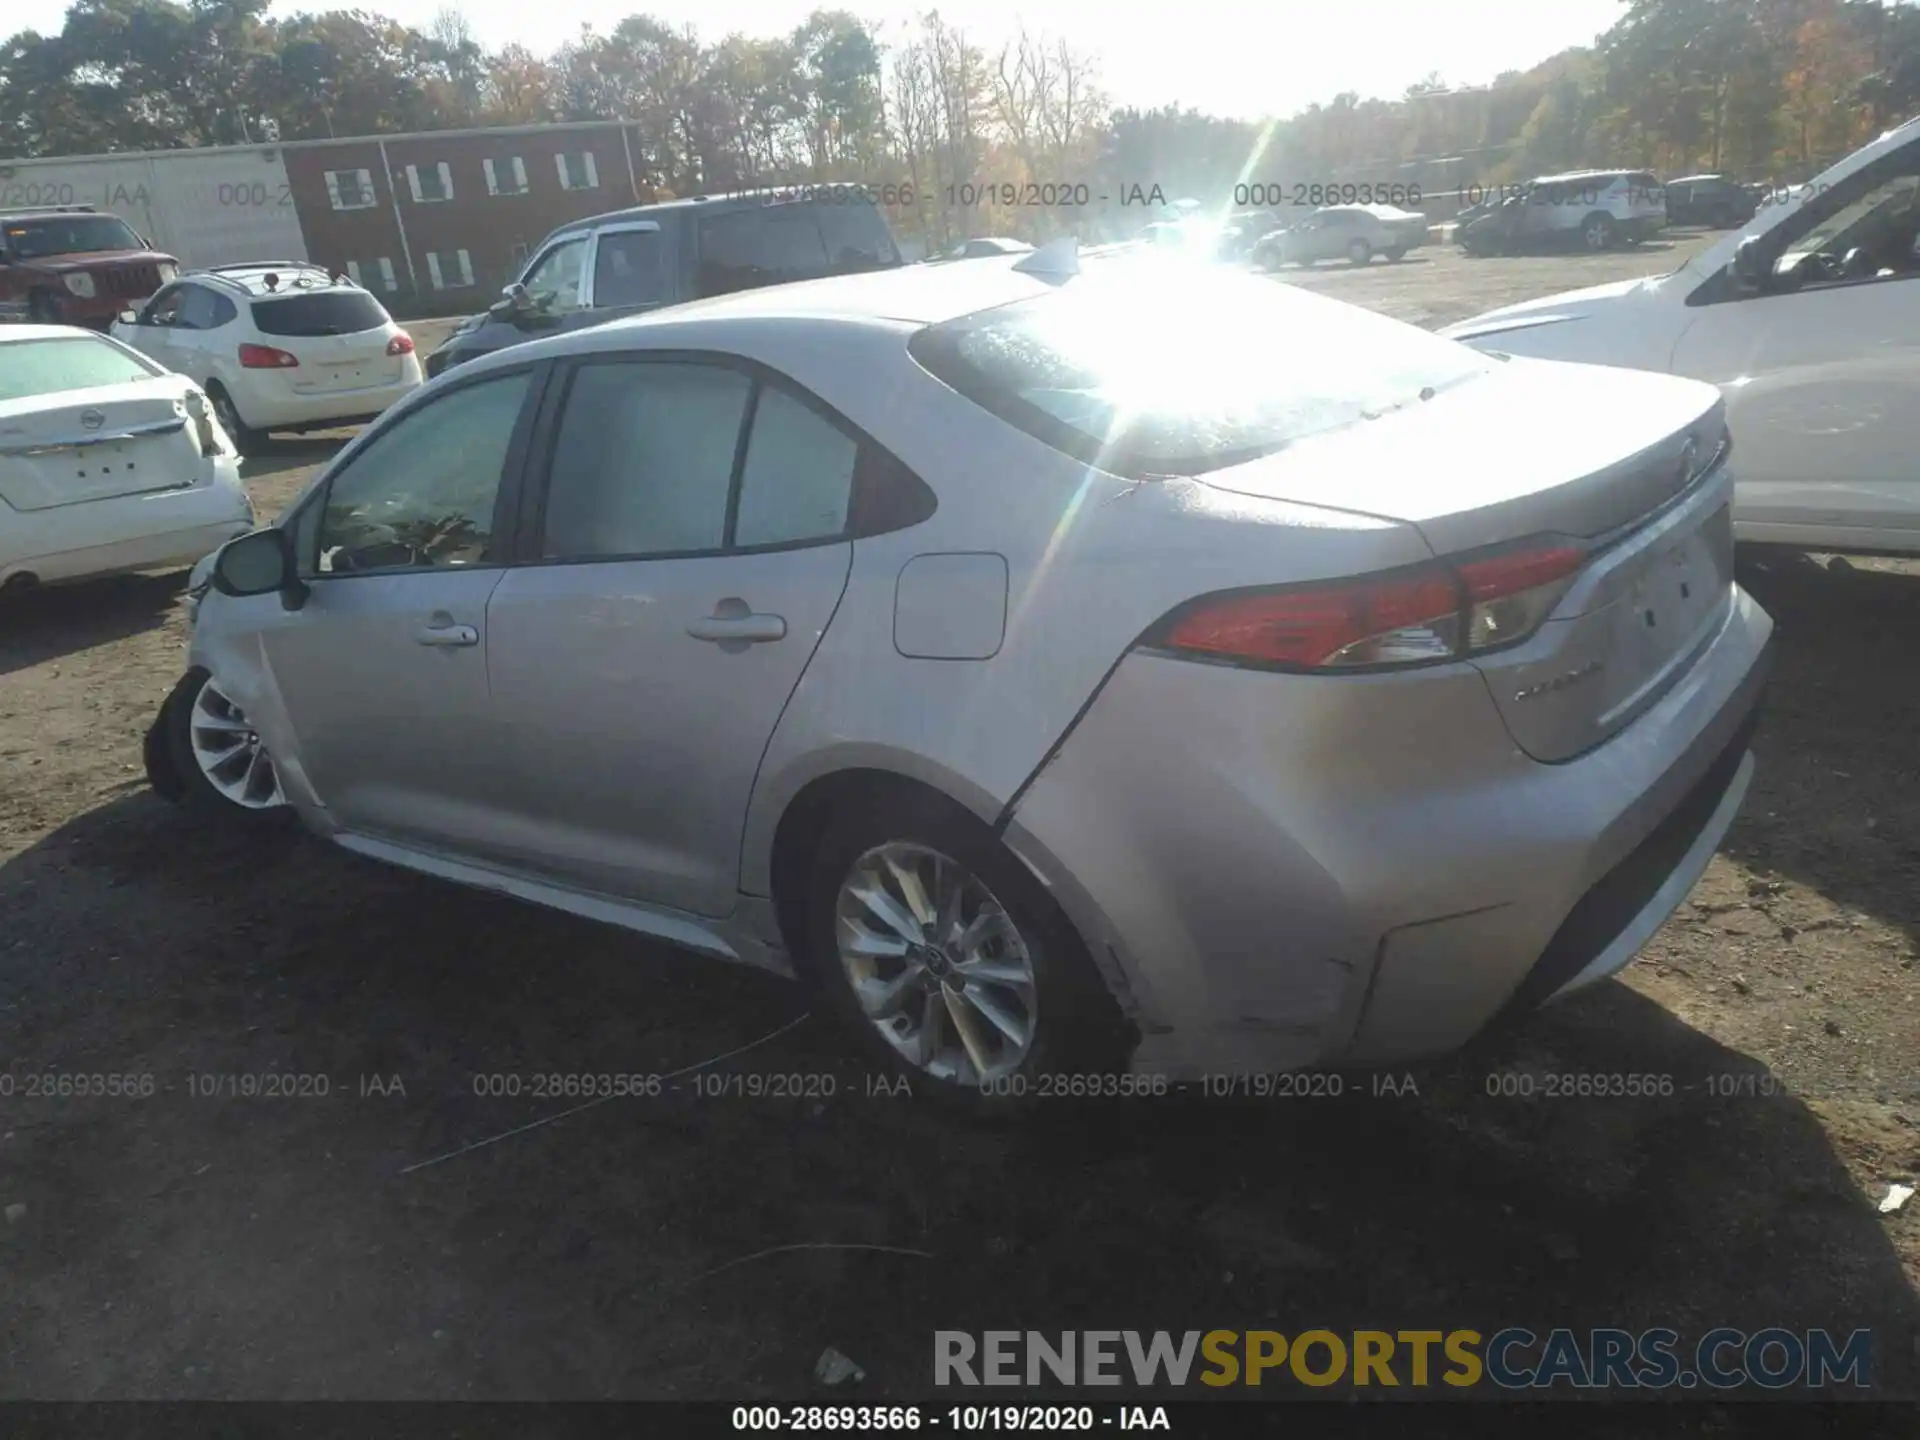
<point x="107" y="462"/>
<point x="278" y="346"/>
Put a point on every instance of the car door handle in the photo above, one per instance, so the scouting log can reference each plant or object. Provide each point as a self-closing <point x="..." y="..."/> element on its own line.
<point x="733" y="624"/>
<point x="447" y="635"/>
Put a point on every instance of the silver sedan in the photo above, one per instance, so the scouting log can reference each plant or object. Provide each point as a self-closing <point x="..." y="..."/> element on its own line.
<point x="1068" y="665"/>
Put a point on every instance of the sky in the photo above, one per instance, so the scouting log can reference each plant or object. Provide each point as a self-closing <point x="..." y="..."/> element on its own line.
<point x="1241" y="58"/>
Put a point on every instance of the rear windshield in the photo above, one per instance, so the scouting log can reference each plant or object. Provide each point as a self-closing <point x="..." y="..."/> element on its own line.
<point x="340" y="312"/>
<point x="1143" y="370"/>
<point x="756" y="245"/>
<point x="46" y="367"/>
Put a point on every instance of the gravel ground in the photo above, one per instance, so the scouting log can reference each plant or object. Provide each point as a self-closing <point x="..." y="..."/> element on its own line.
<point x="366" y="1243"/>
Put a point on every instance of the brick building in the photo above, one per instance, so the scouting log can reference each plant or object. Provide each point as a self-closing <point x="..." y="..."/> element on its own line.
<point x="441" y="220"/>
<point x="434" y="223"/>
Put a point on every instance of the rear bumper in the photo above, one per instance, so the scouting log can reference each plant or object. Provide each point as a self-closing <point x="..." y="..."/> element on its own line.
<point x="168" y="529"/>
<point x="1281" y="871"/>
<point x="272" y="406"/>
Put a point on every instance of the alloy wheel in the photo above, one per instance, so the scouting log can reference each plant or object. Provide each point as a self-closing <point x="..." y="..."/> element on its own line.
<point x="936" y="963"/>
<point x="228" y="751"/>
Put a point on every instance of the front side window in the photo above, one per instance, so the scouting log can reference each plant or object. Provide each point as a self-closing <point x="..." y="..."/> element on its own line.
<point x="421" y="494"/>
<point x="164" y="308"/>
<point x="554" y="281"/>
<point x="629" y="268"/>
<point x="643" y="461"/>
<point x="199" y="310"/>
<point x="46" y="367"/>
<point x="1882" y="222"/>
<point x="1182" y="372"/>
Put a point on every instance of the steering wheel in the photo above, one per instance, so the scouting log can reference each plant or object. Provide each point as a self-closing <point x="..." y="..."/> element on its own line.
<point x="1859" y="264"/>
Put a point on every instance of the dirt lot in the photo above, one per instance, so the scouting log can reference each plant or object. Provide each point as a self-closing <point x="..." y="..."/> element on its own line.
<point x="701" y="1245"/>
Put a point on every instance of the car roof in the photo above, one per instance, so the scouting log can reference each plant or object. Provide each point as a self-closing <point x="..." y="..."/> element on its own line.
<point x="1591" y="174"/>
<point x="52" y="212"/>
<point x="293" y="277"/>
<point x="706" y="204"/>
<point x="1697" y="179"/>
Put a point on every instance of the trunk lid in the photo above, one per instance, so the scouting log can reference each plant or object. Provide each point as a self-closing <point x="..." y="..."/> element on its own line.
<point x="1625" y="461"/>
<point x="97" y="444"/>
<point x="339" y="336"/>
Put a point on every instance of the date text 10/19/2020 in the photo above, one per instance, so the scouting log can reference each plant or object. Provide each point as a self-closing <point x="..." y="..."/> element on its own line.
<point x="960" y="1418"/>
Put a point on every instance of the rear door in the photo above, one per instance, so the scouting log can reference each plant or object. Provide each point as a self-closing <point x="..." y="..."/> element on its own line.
<point x="340" y="336"/>
<point x="628" y="271"/>
<point x="691" y="547"/>
<point x="383" y="672"/>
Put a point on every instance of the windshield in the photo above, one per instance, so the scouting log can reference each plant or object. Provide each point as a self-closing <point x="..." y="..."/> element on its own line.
<point x="70" y="235"/>
<point x="46" y="367"/>
<point x="1144" y="371"/>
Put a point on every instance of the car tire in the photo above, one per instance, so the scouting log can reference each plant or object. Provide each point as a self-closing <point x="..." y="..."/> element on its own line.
<point x="1599" y="231"/>
<point x="1359" y="253"/>
<point x="1396" y="255"/>
<point x="44" y="308"/>
<point x="246" y="439"/>
<point x="222" y="783"/>
<point x="1720" y="218"/>
<point x="1018" y="1001"/>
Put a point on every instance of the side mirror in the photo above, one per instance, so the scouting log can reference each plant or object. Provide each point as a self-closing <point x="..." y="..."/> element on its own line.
<point x="260" y="563"/>
<point x="129" y="316"/>
<point x="1750" y="265"/>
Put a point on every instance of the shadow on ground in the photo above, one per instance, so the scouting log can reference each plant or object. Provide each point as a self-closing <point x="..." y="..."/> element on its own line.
<point x="241" y="1245"/>
<point x="40" y="625"/>
<point x="1835" y="802"/>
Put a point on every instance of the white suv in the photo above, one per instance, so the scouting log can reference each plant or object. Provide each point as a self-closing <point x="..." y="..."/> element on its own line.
<point x="277" y="346"/>
<point x="1602" y="209"/>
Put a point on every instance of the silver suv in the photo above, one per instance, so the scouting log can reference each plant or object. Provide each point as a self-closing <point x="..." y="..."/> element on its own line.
<point x="1598" y="209"/>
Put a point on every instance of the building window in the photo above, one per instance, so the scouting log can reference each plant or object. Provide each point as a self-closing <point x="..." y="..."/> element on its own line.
<point x="449" y="269"/>
<point x="350" y="189"/>
<point x="577" y="172"/>
<point x="433" y="184"/>
<point x="387" y="280"/>
<point x="506" y="177"/>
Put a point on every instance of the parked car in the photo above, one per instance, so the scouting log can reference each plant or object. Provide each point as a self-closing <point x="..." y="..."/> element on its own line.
<point x="1594" y="209"/>
<point x="1710" y="200"/>
<point x="67" y="265"/>
<point x="651" y="256"/>
<point x="983" y="246"/>
<point x="107" y="462"/>
<point x="1354" y="233"/>
<point x="277" y="345"/>
<point x="844" y="628"/>
<point x="1809" y="321"/>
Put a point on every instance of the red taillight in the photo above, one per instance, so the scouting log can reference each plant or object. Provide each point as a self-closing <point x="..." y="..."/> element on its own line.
<point x="1437" y="612"/>
<point x="401" y="344"/>
<point x="265" y="357"/>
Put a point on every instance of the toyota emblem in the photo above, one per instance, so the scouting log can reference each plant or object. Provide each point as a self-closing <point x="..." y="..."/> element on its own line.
<point x="92" y="419"/>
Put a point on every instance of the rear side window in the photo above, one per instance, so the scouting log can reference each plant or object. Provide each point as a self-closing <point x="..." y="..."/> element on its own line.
<point x="46" y="367"/>
<point x="798" y="478"/>
<point x="761" y="245"/>
<point x="643" y="462"/>
<point x="340" y="312"/>
<point x="1146" y="374"/>
<point x="856" y="238"/>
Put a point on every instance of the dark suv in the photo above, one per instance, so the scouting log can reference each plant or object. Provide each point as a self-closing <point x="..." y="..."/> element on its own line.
<point x="1710" y="200"/>
<point x="651" y="256"/>
<point x="67" y="265"/>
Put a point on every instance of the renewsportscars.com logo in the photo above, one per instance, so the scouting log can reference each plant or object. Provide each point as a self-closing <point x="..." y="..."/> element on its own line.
<point x="1509" y="1359"/>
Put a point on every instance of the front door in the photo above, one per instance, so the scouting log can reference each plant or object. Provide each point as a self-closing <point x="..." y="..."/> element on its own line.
<point x="1822" y="376"/>
<point x="692" y="551"/>
<point x="383" y="672"/>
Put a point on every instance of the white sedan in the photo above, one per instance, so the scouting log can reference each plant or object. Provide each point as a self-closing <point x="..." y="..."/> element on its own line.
<point x="108" y="463"/>
<point x="1809" y="321"/>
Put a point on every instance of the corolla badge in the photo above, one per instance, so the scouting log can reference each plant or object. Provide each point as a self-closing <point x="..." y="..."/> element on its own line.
<point x="1561" y="682"/>
<point x="92" y="419"/>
